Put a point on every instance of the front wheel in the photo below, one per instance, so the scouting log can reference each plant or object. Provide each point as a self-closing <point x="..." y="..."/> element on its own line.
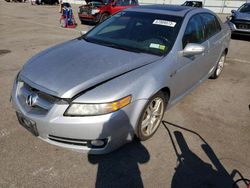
<point x="151" y="116"/>
<point x="104" y="16"/>
<point x="219" y="67"/>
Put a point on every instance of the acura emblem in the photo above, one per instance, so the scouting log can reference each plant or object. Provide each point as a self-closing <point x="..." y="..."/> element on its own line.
<point x="31" y="99"/>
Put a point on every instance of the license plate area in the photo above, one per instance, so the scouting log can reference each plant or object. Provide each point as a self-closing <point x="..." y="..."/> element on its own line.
<point x="27" y="124"/>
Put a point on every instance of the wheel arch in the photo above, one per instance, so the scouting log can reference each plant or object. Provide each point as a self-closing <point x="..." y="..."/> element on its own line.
<point x="105" y="12"/>
<point x="166" y="92"/>
<point x="226" y="51"/>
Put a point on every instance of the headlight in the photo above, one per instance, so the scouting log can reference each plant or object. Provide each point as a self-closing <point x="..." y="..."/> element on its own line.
<point x="95" y="11"/>
<point x="79" y="109"/>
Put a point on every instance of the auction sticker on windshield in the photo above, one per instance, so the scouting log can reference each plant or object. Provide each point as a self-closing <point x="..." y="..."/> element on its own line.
<point x="164" y="23"/>
<point x="157" y="46"/>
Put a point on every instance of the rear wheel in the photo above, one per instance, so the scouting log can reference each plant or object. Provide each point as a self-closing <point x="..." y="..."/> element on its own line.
<point x="219" y="67"/>
<point x="151" y="116"/>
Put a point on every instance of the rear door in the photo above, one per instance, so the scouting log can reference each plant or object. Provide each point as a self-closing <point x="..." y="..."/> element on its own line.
<point x="214" y="36"/>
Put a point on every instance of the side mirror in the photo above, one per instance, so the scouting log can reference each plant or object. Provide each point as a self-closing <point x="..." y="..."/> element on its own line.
<point x="192" y="49"/>
<point x="83" y="33"/>
<point x="233" y="11"/>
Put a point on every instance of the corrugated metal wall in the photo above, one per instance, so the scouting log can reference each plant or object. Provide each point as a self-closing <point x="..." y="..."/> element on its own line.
<point x="218" y="6"/>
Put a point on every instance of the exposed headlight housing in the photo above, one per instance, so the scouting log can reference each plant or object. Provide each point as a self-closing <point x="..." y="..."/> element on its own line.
<point x="95" y="11"/>
<point x="80" y="109"/>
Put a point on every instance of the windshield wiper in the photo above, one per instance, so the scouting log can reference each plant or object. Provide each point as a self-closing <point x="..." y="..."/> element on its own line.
<point x="117" y="46"/>
<point x="85" y="38"/>
<point x="112" y="45"/>
<point x="122" y="47"/>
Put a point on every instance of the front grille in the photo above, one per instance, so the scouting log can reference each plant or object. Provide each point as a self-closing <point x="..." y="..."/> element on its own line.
<point x="42" y="102"/>
<point x="242" y="24"/>
<point x="85" y="10"/>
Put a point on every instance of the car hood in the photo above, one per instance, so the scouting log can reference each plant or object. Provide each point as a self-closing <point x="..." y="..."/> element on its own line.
<point x="75" y="66"/>
<point x="242" y="16"/>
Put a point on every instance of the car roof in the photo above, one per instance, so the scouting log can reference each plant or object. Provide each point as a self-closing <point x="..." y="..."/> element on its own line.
<point x="174" y="10"/>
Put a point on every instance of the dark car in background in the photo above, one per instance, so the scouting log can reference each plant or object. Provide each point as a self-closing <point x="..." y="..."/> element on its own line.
<point x="99" y="10"/>
<point x="193" y="4"/>
<point x="240" y="20"/>
<point x="42" y="2"/>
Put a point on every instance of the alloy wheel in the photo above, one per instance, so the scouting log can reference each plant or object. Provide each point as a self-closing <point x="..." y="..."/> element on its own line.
<point x="220" y="65"/>
<point x="152" y="117"/>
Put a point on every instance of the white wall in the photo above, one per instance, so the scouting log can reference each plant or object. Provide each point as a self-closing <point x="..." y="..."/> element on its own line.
<point x="218" y="6"/>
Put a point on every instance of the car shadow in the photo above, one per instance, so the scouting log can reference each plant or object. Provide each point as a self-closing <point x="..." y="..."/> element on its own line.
<point x="192" y="171"/>
<point x="240" y="37"/>
<point x="120" y="167"/>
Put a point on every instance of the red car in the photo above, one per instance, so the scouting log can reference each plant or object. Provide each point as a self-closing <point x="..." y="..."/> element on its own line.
<point x="99" y="10"/>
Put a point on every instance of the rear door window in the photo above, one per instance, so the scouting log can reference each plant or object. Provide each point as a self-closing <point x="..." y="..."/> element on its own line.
<point x="212" y="25"/>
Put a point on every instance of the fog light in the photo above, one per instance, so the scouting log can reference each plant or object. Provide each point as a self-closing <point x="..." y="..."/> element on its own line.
<point x="97" y="143"/>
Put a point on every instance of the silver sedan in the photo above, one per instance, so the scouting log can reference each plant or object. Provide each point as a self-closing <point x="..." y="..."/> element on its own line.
<point x="97" y="92"/>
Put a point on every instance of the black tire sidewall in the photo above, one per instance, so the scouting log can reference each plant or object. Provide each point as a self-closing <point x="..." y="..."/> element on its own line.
<point x="104" y="16"/>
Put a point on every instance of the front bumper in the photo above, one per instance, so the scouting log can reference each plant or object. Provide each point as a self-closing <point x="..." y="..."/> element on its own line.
<point x="89" y="17"/>
<point x="76" y="133"/>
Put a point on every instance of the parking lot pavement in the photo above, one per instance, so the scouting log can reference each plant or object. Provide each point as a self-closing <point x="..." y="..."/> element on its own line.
<point x="203" y="141"/>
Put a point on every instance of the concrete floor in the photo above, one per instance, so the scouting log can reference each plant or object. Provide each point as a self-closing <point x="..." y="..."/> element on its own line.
<point x="203" y="142"/>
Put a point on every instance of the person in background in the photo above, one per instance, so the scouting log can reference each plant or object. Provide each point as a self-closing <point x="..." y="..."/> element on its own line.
<point x="61" y="6"/>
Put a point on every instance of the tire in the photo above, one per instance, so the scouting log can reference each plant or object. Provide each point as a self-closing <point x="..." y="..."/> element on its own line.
<point x="104" y="16"/>
<point x="151" y="118"/>
<point x="84" y="22"/>
<point x="219" y="66"/>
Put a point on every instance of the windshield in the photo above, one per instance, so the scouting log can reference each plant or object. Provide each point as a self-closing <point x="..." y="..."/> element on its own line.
<point x="192" y="4"/>
<point x="138" y="32"/>
<point x="245" y="8"/>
